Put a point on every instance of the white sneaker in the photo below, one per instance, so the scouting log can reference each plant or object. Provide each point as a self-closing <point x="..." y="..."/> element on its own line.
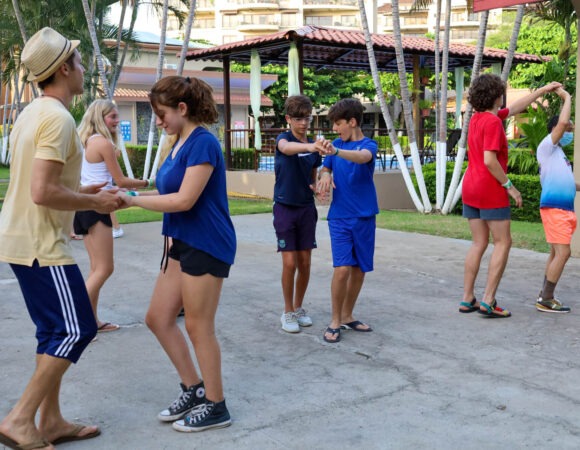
<point x="290" y="323"/>
<point x="302" y="318"/>
<point x="118" y="232"/>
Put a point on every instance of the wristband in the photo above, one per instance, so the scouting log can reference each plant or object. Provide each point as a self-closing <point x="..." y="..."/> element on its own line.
<point x="508" y="184"/>
<point x="337" y="151"/>
<point x="132" y="193"/>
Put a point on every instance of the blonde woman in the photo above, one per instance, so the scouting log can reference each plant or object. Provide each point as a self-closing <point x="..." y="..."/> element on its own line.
<point x="99" y="136"/>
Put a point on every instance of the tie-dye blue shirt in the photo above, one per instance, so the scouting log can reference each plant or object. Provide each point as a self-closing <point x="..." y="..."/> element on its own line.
<point x="558" y="185"/>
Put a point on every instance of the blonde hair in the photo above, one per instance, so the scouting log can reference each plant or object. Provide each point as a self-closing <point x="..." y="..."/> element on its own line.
<point x="94" y="122"/>
<point x="168" y="144"/>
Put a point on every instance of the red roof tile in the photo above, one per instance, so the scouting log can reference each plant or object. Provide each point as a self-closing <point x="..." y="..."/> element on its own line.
<point x="346" y="49"/>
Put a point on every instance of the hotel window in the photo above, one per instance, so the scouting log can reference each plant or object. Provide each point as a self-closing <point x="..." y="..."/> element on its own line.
<point x="323" y="21"/>
<point x="288" y="20"/>
<point x="229" y="21"/>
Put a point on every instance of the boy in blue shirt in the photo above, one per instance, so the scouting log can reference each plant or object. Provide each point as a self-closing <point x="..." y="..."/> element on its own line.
<point x="348" y="168"/>
<point x="295" y="215"/>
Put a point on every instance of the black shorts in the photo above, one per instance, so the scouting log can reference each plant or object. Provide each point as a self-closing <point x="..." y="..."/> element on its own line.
<point x="84" y="220"/>
<point x="197" y="262"/>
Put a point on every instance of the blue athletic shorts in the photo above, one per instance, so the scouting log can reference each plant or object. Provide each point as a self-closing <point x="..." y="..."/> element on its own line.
<point x="353" y="242"/>
<point x="295" y="227"/>
<point x="469" y="212"/>
<point x="59" y="305"/>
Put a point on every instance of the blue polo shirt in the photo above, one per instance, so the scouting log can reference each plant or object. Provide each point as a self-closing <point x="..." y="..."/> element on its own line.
<point x="207" y="226"/>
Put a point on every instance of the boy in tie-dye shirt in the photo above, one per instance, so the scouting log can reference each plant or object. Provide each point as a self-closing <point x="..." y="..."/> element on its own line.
<point x="556" y="202"/>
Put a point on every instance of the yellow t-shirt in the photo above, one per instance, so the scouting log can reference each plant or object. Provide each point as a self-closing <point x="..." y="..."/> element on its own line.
<point x="46" y="130"/>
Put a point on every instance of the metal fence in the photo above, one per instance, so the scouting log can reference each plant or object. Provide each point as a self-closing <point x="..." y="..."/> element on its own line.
<point x="242" y="141"/>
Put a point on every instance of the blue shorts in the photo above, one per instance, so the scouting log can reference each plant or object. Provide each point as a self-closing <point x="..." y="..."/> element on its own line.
<point x="353" y="242"/>
<point x="59" y="305"/>
<point x="295" y="227"/>
<point x="469" y="212"/>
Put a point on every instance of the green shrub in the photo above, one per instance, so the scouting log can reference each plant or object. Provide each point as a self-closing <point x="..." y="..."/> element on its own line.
<point x="243" y="159"/>
<point x="531" y="189"/>
<point x="136" y="154"/>
<point x="528" y="185"/>
<point x="429" y="175"/>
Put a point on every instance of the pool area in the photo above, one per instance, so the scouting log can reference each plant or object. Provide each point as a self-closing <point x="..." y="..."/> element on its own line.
<point x="382" y="163"/>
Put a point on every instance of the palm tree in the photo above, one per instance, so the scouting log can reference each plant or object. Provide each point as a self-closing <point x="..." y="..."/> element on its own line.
<point x="454" y="191"/>
<point x="407" y="107"/>
<point x="184" y="49"/>
<point x="152" y="127"/>
<point x="384" y="108"/>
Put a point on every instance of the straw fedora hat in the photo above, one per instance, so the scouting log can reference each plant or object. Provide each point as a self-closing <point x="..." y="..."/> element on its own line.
<point x="45" y="52"/>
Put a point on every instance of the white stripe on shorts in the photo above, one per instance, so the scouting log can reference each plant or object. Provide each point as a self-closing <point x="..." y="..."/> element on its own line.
<point x="68" y="311"/>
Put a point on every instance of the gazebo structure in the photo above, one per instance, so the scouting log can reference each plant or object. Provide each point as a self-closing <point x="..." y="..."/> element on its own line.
<point x="327" y="48"/>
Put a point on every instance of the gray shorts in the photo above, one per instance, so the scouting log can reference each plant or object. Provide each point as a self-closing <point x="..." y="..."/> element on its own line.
<point x="469" y="212"/>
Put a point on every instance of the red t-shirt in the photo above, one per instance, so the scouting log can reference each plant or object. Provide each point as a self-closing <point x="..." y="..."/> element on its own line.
<point x="480" y="188"/>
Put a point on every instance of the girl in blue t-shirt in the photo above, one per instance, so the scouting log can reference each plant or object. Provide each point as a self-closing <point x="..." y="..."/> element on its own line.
<point x="200" y="245"/>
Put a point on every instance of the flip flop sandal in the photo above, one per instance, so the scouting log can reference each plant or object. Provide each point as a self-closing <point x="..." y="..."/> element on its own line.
<point x="354" y="325"/>
<point x="108" y="326"/>
<point x="332" y="331"/>
<point x="493" y="311"/>
<point x="470" y="306"/>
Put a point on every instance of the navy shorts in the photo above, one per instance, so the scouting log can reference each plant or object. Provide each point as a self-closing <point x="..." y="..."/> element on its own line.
<point x="295" y="227"/>
<point x="197" y="262"/>
<point x="353" y="242"/>
<point x="469" y="212"/>
<point x="59" y="305"/>
<point x="84" y="220"/>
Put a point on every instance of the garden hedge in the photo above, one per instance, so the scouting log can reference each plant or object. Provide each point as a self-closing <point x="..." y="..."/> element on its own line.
<point x="528" y="185"/>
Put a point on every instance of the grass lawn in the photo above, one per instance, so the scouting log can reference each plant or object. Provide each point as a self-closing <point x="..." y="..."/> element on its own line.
<point x="237" y="207"/>
<point x="524" y="234"/>
<point x="4" y="172"/>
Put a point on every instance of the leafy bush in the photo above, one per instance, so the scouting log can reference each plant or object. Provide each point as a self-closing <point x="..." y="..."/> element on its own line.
<point x="136" y="154"/>
<point x="243" y="159"/>
<point x="528" y="185"/>
<point x="522" y="161"/>
<point x="429" y="175"/>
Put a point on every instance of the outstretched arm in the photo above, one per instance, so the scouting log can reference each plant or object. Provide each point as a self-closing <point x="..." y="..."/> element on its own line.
<point x="521" y="104"/>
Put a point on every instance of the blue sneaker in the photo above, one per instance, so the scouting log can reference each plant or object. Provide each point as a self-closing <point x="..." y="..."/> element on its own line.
<point x="204" y="417"/>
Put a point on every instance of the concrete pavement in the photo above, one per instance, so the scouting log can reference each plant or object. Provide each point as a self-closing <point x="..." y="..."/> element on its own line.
<point x="426" y="378"/>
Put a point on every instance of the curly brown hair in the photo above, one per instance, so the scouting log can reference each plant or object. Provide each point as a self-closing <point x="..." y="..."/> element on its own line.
<point x="298" y="106"/>
<point x="195" y="93"/>
<point x="484" y="91"/>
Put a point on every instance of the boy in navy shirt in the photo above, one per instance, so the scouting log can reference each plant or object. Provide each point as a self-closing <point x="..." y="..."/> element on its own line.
<point x="295" y="214"/>
<point x="348" y="168"/>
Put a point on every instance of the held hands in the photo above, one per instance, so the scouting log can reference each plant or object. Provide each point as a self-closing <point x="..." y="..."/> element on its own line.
<point x="552" y="87"/>
<point x="108" y="201"/>
<point x="324" y="146"/>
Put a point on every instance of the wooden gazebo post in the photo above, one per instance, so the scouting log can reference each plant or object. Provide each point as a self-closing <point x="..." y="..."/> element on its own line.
<point x="227" y="113"/>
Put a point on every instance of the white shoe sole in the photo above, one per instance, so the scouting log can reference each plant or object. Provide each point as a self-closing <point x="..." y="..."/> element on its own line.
<point x="186" y="429"/>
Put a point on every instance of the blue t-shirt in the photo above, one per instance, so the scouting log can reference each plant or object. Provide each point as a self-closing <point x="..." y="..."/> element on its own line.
<point x="294" y="174"/>
<point x="558" y="185"/>
<point x="354" y="194"/>
<point x="207" y="226"/>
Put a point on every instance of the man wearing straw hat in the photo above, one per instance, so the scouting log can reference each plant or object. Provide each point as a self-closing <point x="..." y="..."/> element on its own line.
<point x="35" y="225"/>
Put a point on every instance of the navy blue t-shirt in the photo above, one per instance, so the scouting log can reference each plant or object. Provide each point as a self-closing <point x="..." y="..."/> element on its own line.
<point x="355" y="194"/>
<point x="294" y="174"/>
<point x="207" y="226"/>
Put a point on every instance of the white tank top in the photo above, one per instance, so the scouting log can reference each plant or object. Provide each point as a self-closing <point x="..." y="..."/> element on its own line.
<point x="95" y="173"/>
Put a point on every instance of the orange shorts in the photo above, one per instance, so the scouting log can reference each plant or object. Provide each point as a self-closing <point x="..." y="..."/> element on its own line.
<point x="559" y="225"/>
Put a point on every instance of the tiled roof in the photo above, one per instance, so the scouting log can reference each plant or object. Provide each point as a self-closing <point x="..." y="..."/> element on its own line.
<point x="329" y="48"/>
<point x="135" y="95"/>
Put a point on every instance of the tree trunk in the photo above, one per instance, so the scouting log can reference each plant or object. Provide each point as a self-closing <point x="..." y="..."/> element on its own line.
<point x="407" y="107"/>
<point x="152" y="127"/>
<point x="454" y="192"/>
<point x="385" y="109"/>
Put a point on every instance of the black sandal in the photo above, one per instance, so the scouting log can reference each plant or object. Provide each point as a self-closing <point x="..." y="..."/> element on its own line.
<point x="333" y="331"/>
